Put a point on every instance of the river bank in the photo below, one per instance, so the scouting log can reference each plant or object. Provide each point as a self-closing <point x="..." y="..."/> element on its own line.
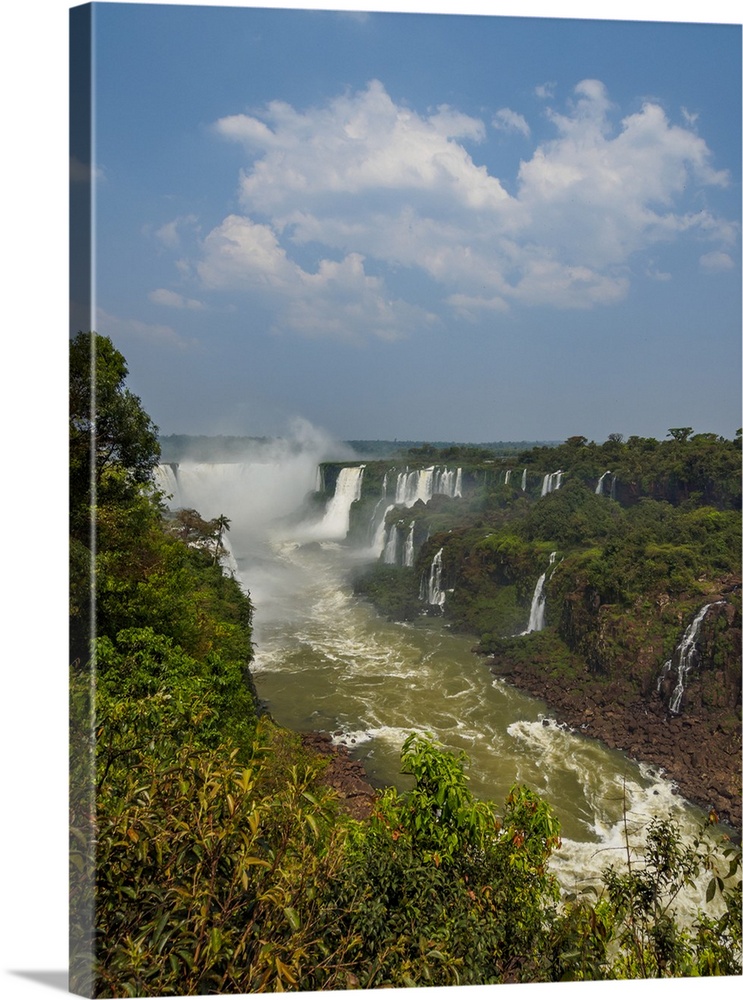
<point x="347" y="777"/>
<point x="700" y="754"/>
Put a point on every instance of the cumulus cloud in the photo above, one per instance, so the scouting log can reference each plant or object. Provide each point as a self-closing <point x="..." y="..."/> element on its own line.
<point x="339" y="299"/>
<point x="375" y="188"/>
<point x="359" y="143"/>
<point x="171" y="233"/>
<point x="174" y="300"/>
<point x="511" y="121"/>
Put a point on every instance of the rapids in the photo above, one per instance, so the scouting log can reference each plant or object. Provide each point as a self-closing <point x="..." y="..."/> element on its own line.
<point x="325" y="660"/>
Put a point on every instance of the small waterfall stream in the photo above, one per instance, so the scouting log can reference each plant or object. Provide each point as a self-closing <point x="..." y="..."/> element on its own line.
<point x="432" y="591"/>
<point x="600" y="485"/>
<point x="552" y="481"/>
<point x="686" y="656"/>
<point x="539" y="601"/>
<point x="408" y="556"/>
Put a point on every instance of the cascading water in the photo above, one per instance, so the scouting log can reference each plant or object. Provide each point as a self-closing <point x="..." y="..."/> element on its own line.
<point x="422" y="484"/>
<point x="552" y="481"/>
<point x="227" y="558"/>
<point x="507" y="480"/>
<point x="389" y="555"/>
<point x="600" y="485"/>
<point x="523" y="480"/>
<point x="686" y="655"/>
<point x="408" y="556"/>
<point x="337" y="518"/>
<point x="539" y="602"/>
<point x="327" y="661"/>
<point x="381" y="532"/>
<point x="410" y="487"/>
<point x="433" y="593"/>
<point x="166" y="480"/>
<point x="376" y="524"/>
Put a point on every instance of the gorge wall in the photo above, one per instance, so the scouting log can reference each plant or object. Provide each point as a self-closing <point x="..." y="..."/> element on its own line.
<point x="616" y="602"/>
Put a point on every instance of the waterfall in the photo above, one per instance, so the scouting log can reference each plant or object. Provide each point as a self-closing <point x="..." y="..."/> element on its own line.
<point x="523" y="480"/>
<point x="688" y="657"/>
<point x="538" y="602"/>
<point x="600" y="485"/>
<point x="552" y="481"/>
<point x="410" y="487"/>
<point x="507" y="480"/>
<point x="166" y="480"/>
<point x="227" y="560"/>
<point x="376" y="527"/>
<point x="380" y="532"/>
<point x="408" y="556"/>
<point x="337" y="518"/>
<point x="433" y="593"/>
<point x="390" y="549"/>
<point x="422" y="484"/>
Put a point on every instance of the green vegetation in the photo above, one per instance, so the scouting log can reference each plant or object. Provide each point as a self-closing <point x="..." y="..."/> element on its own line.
<point x="208" y="856"/>
<point x="671" y="540"/>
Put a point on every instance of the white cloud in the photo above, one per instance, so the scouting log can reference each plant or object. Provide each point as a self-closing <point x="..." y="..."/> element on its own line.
<point x="608" y="195"/>
<point x="511" y="121"/>
<point x="174" y="300"/>
<point x="359" y="143"/>
<point x="365" y="179"/>
<point x="338" y="300"/>
<point x="716" y="260"/>
<point x="545" y="90"/>
<point x="170" y="234"/>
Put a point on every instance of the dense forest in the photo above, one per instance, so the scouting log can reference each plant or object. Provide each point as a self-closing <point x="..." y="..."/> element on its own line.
<point x="630" y="540"/>
<point x="208" y="854"/>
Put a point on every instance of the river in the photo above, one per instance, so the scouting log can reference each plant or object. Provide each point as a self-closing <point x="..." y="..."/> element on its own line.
<point x="325" y="660"/>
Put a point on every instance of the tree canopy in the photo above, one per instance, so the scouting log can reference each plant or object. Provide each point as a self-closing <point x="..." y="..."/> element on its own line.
<point x="112" y="438"/>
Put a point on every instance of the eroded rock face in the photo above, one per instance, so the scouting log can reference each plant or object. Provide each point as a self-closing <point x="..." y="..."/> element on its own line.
<point x="700" y="751"/>
<point x="345" y="776"/>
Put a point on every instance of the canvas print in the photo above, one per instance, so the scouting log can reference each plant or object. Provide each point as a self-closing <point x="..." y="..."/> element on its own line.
<point x="405" y="500"/>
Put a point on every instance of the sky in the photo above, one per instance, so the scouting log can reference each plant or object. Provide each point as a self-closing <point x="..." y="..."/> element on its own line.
<point x="197" y="173"/>
<point x="419" y="226"/>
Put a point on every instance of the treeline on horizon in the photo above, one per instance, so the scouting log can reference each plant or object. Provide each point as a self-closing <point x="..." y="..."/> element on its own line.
<point x="226" y="447"/>
<point x="207" y="854"/>
<point x="223" y="447"/>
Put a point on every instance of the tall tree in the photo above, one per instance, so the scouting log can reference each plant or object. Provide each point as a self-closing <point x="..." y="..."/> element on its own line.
<point x="109" y="430"/>
<point x="113" y="448"/>
<point x="221" y="524"/>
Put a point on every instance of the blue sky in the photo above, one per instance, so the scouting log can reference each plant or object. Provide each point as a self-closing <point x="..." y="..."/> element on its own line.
<point x="420" y="226"/>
